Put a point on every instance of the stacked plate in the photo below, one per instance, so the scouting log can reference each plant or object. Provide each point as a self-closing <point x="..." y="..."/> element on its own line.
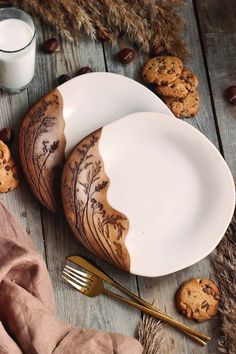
<point x="140" y="189"/>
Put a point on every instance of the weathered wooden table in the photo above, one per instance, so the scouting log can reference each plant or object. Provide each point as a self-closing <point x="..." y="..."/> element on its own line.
<point x="211" y="37"/>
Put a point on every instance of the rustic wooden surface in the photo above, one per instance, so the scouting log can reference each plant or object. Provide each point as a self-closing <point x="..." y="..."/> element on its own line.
<point x="211" y="37"/>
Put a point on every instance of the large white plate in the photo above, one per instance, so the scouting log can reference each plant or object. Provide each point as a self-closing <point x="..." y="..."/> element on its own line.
<point x="174" y="187"/>
<point x="172" y="184"/>
<point x="93" y="100"/>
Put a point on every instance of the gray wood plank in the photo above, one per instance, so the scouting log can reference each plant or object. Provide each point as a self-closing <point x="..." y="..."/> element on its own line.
<point x="218" y="28"/>
<point x="204" y="120"/>
<point x="162" y="290"/>
<point x="100" y="312"/>
<point x="216" y="16"/>
<point x="21" y="201"/>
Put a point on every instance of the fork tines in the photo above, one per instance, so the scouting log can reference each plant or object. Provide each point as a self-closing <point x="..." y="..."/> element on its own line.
<point x="76" y="278"/>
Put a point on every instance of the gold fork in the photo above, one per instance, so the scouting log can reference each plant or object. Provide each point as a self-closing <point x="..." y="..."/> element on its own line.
<point x="91" y="268"/>
<point x="91" y="285"/>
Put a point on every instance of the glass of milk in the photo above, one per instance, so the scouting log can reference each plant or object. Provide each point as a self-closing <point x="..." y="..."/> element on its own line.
<point x="17" y="49"/>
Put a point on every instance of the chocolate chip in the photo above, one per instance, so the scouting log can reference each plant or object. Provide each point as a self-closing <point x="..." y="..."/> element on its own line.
<point x="230" y="94"/>
<point x="7" y="135"/>
<point x="63" y="78"/>
<point x="208" y="290"/>
<point x="205" y="305"/>
<point x="50" y="45"/>
<point x="7" y="168"/>
<point x="126" y="55"/>
<point x="84" y="70"/>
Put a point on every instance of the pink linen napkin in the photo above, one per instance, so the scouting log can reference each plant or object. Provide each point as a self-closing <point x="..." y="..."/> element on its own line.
<point x="28" y="323"/>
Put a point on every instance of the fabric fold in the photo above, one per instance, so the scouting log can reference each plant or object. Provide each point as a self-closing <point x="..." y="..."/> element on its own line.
<point x="28" y="323"/>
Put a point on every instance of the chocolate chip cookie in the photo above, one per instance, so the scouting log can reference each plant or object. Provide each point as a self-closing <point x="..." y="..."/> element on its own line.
<point x="162" y="70"/>
<point x="179" y="88"/>
<point x="184" y="107"/>
<point x="9" y="174"/>
<point x="4" y="153"/>
<point x="198" y="299"/>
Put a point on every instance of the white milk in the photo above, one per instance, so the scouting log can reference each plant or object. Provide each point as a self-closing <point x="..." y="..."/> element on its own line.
<point x="16" y="68"/>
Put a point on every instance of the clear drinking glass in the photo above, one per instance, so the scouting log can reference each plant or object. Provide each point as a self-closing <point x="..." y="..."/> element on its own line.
<point x="17" y="49"/>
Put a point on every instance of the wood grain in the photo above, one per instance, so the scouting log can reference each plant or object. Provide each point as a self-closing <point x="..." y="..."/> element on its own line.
<point x="218" y="28"/>
<point x="216" y="16"/>
<point x="21" y="201"/>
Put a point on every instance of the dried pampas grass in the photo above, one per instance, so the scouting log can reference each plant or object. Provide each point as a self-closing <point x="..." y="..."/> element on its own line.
<point x="151" y="25"/>
<point x="150" y="336"/>
<point x="224" y="262"/>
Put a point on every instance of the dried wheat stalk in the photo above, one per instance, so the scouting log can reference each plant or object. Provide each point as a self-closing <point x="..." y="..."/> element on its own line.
<point x="224" y="261"/>
<point x="148" y="24"/>
<point x="149" y="335"/>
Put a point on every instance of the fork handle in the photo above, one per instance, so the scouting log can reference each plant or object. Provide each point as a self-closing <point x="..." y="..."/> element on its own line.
<point x="160" y="316"/>
<point x="148" y="305"/>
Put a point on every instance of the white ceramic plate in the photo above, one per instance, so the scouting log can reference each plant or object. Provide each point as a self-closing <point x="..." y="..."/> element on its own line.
<point x="66" y="115"/>
<point x="93" y="100"/>
<point x="173" y="186"/>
